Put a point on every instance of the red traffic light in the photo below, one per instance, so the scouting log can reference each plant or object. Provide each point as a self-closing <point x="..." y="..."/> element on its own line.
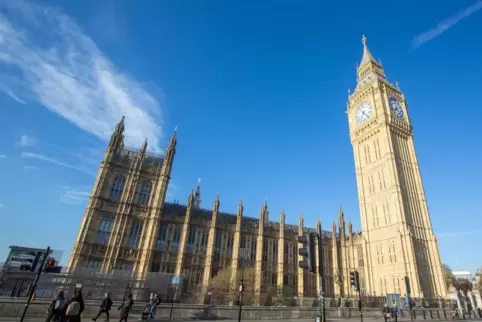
<point x="50" y="262"/>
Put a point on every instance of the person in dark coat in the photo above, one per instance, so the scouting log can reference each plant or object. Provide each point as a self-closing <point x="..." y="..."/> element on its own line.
<point x="386" y="312"/>
<point x="104" y="307"/>
<point x="56" y="310"/>
<point x="125" y="308"/>
<point x="76" y="298"/>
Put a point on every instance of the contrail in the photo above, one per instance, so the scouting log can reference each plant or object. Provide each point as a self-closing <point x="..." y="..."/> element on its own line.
<point x="445" y="25"/>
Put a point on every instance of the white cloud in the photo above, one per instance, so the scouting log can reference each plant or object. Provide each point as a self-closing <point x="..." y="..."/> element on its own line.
<point x="445" y="25"/>
<point x="2" y="205"/>
<point x="27" y="141"/>
<point x="30" y="155"/>
<point x="75" y="196"/>
<point x="3" y="156"/>
<point x="49" y="59"/>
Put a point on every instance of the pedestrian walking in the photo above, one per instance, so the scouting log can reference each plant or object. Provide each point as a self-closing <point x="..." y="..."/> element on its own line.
<point x="75" y="307"/>
<point x="56" y="310"/>
<point x="386" y="312"/>
<point x="105" y="306"/>
<point x="125" y="308"/>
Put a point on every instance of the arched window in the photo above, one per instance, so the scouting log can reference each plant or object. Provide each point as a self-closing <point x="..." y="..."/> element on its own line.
<point x="117" y="187"/>
<point x="145" y="193"/>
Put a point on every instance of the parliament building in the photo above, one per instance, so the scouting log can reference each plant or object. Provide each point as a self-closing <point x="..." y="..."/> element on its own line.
<point x="129" y="226"/>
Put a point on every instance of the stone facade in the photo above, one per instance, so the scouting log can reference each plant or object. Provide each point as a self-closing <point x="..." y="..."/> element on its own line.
<point x="128" y="225"/>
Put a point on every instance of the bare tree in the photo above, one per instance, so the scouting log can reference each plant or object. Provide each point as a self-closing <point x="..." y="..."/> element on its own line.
<point x="222" y="286"/>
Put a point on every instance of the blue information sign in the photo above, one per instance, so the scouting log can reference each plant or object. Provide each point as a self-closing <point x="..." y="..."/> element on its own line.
<point x="176" y="280"/>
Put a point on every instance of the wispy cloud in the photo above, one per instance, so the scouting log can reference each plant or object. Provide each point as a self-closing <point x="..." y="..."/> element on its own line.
<point x="27" y="141"/>
<point x="30" y="155"/>
<point x="29" y="167"/>
<point x="49" y="59"/>
<point x="2" y="205"/>
<point x="3" y="156"/>
<point x="75" y="196"/>
<point x="458" y="234"/>
<point x="445" y="25"/>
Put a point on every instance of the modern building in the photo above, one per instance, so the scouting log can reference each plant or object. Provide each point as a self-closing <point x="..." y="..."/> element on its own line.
<point x="463" y="275"/>
<point x="24" y="258"/>
<point x="129" y="226"/>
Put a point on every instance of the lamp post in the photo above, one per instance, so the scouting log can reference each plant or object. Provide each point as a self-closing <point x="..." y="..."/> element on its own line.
<point x="243" y="255"/>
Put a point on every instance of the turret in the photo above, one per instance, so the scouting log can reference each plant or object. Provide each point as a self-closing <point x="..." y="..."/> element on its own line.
<point x="117" y="137"/>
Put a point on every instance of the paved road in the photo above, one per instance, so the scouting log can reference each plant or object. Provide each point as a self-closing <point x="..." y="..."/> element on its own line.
<point x="42" y="319"/>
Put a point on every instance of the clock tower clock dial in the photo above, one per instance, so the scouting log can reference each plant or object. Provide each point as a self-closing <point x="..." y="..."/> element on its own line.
<point x="396" y="224"/>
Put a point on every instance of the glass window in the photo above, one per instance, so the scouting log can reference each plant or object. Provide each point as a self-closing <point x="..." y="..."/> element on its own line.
<point x="134" y="237"/>
<point x="145" y="193"/>
<point x="117" y="188"/>
<point x="105" y="229"/>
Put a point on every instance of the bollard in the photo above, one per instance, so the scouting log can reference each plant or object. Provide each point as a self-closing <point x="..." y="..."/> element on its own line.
<point x="424" y="314"/>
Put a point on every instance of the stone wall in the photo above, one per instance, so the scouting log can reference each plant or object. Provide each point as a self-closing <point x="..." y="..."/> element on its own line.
<point x="13" y="308"/>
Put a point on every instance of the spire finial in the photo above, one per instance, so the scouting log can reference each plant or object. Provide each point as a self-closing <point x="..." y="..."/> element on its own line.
<point x="397" y="85"/>
<point x="364" y="40"/>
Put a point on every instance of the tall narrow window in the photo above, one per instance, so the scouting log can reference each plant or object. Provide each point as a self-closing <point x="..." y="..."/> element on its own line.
<point x="105" y="229"/>
<point x="161" y="238"/>
<point x="134" y="237"/>
<point x="145" y="193"/>
<point x="265" y="251"/>
<point x="176" y="237"/>
<point x="204" y="242"/>
<point x="217" y="243"/>
<point x="254" y="249"/>
<point x="191" y="241"/>
<point x="117" y="188"/>
<point x="230" y="246"/>
<point x="275" y="252"/>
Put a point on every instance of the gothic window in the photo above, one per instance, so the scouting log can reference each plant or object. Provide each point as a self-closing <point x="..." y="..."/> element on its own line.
<point x="93" y="263"/>
<point x="265" y="251"/>
<point x="376" y="221"/>
<point x="386" y="212"/>
<point x="176" y="237"/>
<point x="381" y="254"/>
<point x="230" y="245"/>
<point x="105" y="229"/>
<point x="243" y="242"/>
<point x="254" y="245"/>
<point x="134" y="236"/>
<point x="217" y="244"/>
<point x="191" y="240"/>
<point x="383" y="179"/>
<point x="204" y="242"/>
<point x="275" y="252"/>
<point x="117" y="188"/>
<point x="359" y="251"/>
<point x="145" y="193"/>
<point x="274" y="279"/>
<point x="128" y="267"/>
<point x="380" y="179"/>
<point x="161" y="238"/>
<point x="376" y="145"/>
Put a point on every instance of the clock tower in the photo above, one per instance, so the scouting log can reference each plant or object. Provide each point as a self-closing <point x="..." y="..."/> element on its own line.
<point x="398" y="236"/>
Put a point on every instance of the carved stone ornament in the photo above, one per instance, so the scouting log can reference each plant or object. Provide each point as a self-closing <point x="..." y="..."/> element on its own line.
<point x="118" y="240"/>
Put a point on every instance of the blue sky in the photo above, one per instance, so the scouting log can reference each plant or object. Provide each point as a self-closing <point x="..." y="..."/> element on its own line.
<point x="258" y="91"/>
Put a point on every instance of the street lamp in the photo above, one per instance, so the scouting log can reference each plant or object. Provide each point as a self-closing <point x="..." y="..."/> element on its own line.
<point x="243" y="255"/>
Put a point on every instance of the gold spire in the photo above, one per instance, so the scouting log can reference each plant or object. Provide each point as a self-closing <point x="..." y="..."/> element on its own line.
<point x="367" y="56"/>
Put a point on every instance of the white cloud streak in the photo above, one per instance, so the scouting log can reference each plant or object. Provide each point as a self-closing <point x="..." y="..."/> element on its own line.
<point x="75" y="196"/>
<point x="3" y="156"/>
<point x="30" y="155"/>
<point x="445" y="25"/>
<point x="49" y="59"/>
<point x="30" y="167"/>
<point x="2" y="205"/>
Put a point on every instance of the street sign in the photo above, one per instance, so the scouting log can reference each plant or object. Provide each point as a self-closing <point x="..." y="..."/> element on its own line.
<point x="176" y="280"/>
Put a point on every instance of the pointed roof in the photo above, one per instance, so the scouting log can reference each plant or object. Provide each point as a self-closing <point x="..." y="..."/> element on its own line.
<point x="367" y="55"/>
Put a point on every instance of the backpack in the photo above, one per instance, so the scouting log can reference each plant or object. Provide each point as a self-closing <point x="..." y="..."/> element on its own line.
<point x="59" y="304"/>
<point x="73" y="309"/>
<point x="147" y="309"/>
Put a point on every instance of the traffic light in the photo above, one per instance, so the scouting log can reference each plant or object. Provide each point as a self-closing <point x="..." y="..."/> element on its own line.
<point x="308" y="252"/>
<point x="51" y="267"/>
<point x="354" y="280"/>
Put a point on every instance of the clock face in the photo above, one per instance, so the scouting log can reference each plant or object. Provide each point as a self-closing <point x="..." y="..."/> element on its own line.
<point x="363" y="112"/>
<point x="396" y="108"/>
